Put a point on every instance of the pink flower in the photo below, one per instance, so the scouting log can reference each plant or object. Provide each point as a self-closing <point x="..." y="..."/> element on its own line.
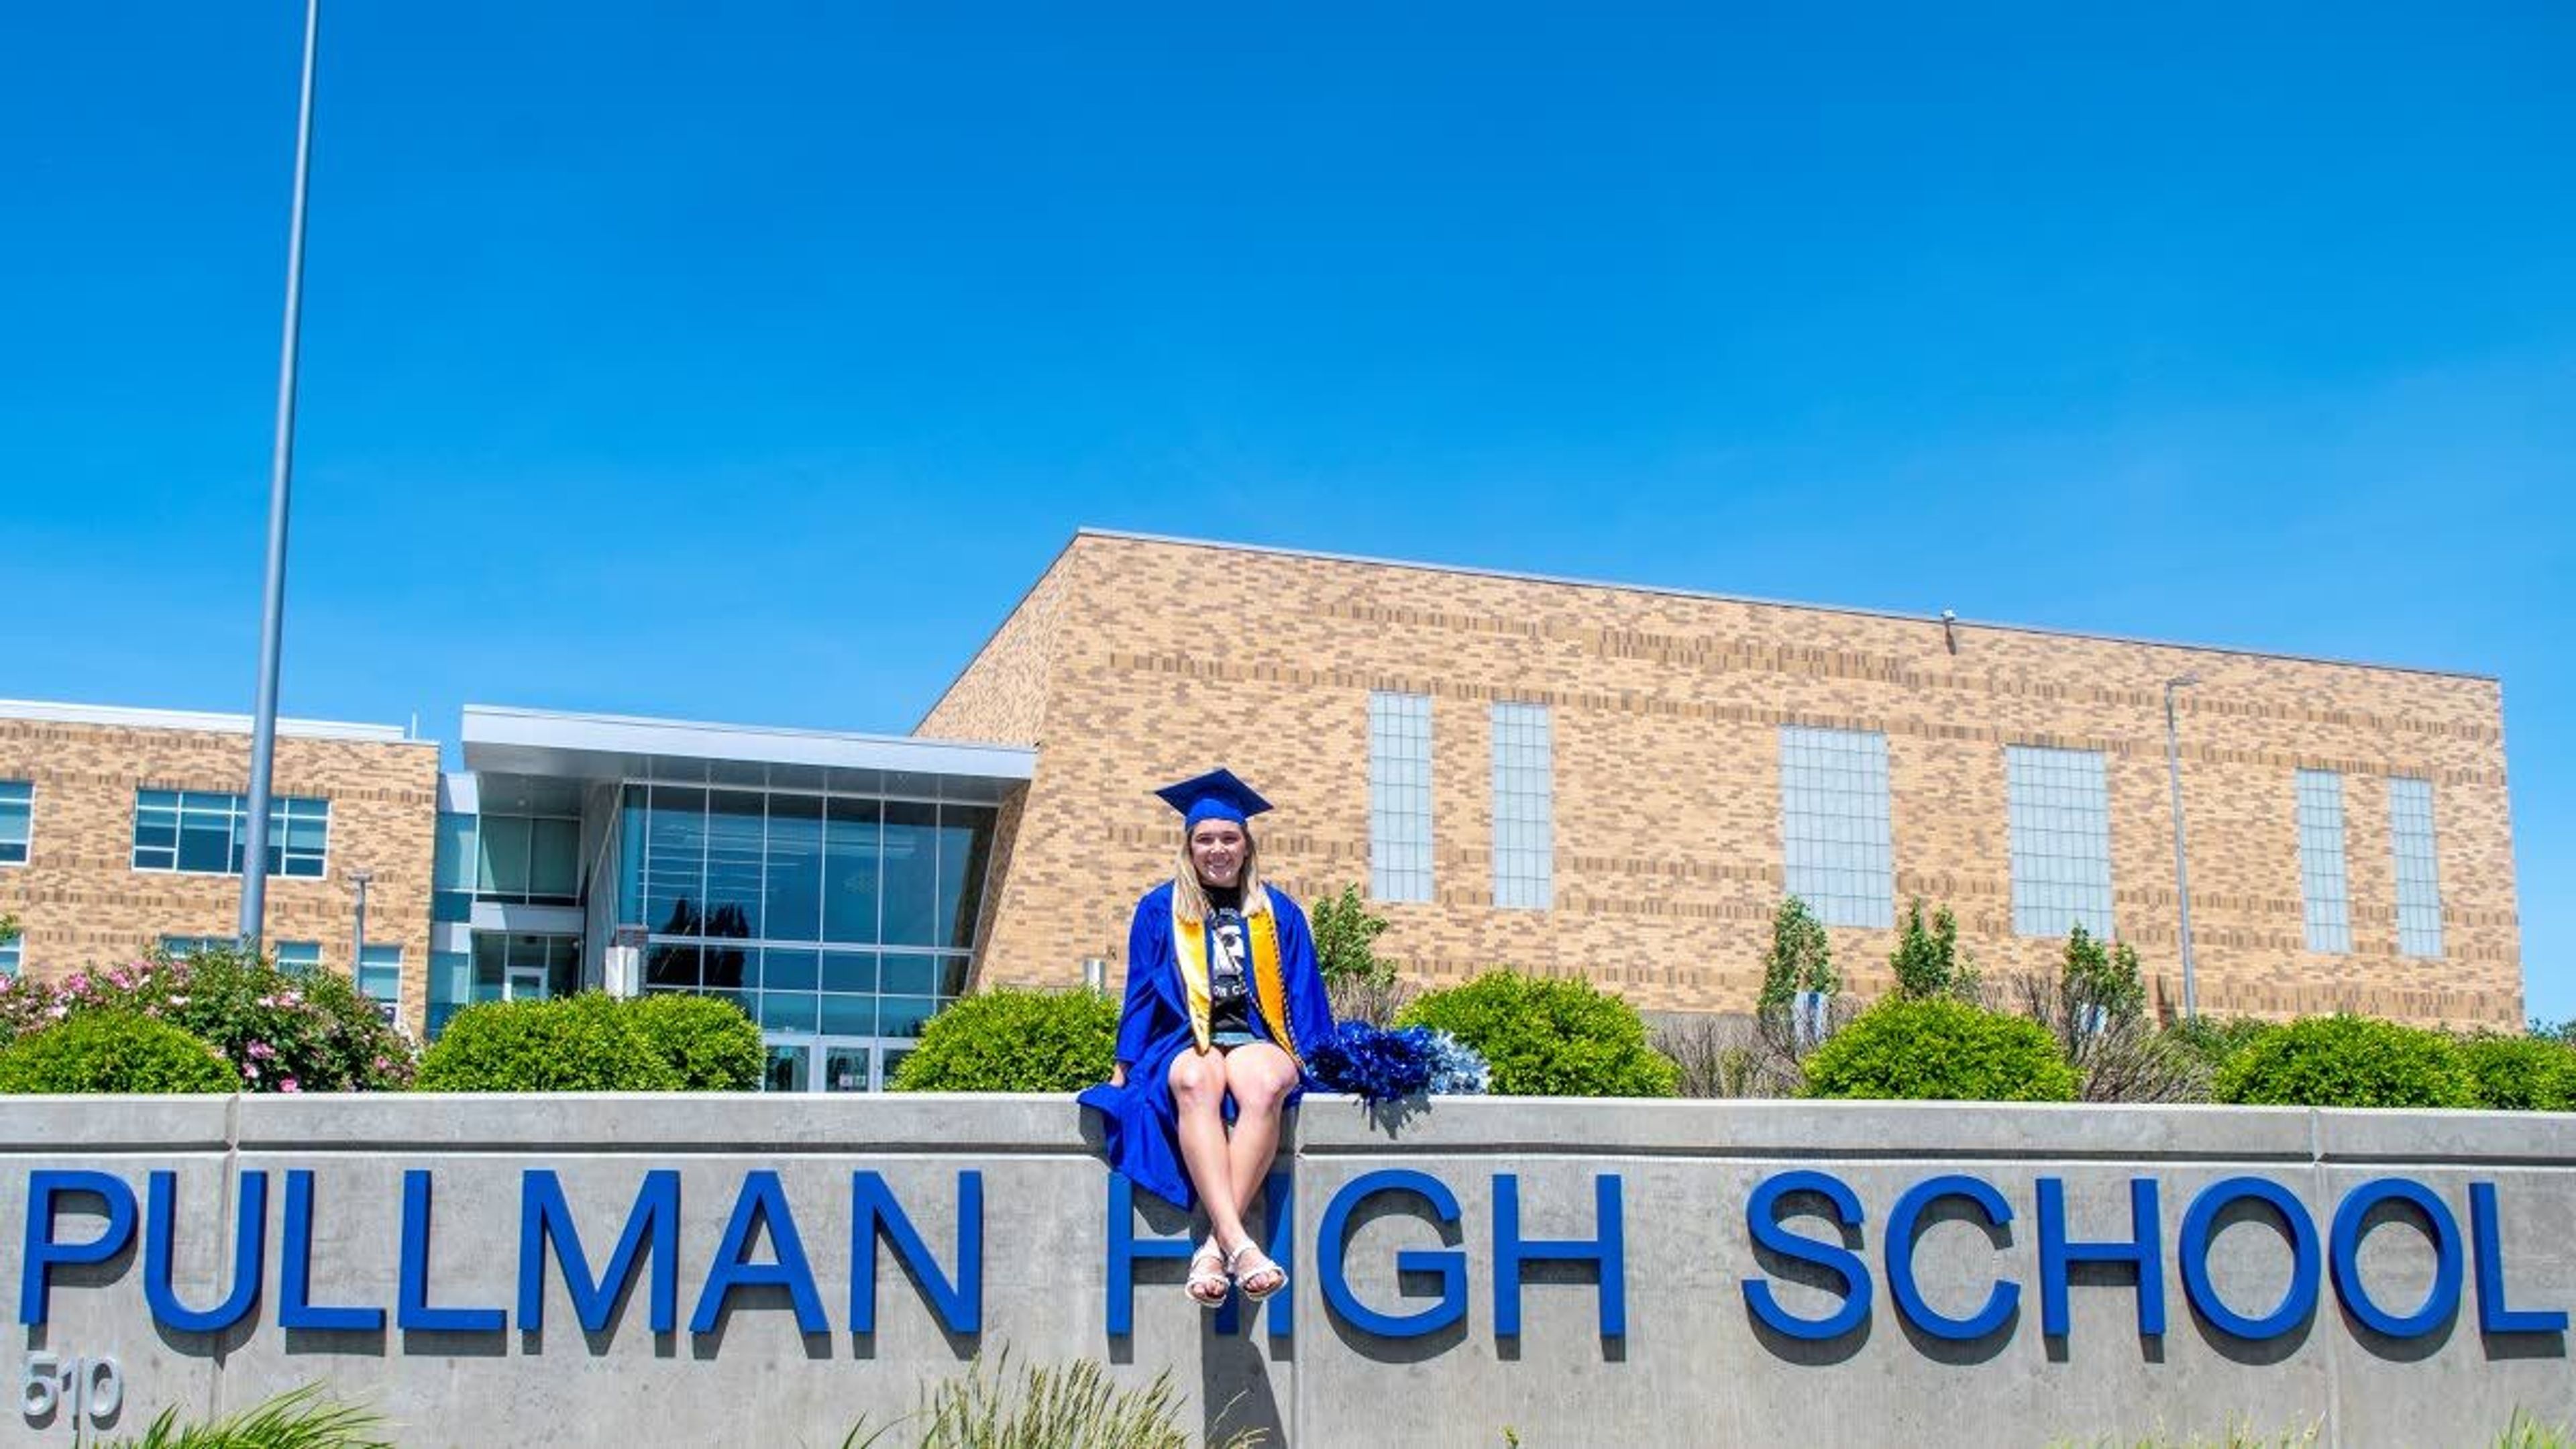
<point x="262" y="1050"/>
<point x="287" y="1084"/>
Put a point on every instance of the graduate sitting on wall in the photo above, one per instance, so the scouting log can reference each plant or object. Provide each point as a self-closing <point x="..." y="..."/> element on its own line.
<point x="1222" y="986"/>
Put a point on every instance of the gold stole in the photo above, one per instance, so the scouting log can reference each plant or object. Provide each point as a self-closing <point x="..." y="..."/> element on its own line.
<point x="1269" y="983"/>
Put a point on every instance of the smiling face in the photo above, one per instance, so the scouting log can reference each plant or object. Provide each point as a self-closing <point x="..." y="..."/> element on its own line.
<point x="1217" y="850"/>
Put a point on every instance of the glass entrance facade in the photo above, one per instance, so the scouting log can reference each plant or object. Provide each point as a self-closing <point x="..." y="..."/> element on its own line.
<point x="841" y="923"/>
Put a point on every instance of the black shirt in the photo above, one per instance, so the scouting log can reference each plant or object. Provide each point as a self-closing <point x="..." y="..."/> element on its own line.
<point x="1229" y="991"/>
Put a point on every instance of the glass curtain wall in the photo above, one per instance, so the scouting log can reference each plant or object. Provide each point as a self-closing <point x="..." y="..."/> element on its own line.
<point x="841" y="923"/>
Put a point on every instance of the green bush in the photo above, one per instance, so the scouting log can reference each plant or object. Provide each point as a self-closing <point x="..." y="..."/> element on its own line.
<point x="1549" y="1036"/>
<point x="706" y="1039"/>
<point x="2218" y="1040"/>
<point x="2520" y="1073"/>
<point x="2348" y="1061"/>
<point x="585" y="1043"/>
<point x="1007" y="1040"/>
<point x="1938" y="1049"/>
<point x="283" y="1032"/>
<point x="114" y="1051"/>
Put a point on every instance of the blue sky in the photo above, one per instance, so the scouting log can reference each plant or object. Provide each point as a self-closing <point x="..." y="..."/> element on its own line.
<point x="746" y="361"/>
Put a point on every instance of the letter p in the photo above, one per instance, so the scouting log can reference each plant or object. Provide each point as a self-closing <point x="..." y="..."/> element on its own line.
<point x="43" y="1252"/>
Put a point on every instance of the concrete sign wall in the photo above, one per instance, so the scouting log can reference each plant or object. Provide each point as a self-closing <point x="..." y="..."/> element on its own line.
<point x="701" y="1269"/>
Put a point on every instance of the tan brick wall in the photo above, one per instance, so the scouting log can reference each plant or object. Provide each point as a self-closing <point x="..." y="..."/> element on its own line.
<point x="1666" y="711"/>
<point x="82" y="903"/>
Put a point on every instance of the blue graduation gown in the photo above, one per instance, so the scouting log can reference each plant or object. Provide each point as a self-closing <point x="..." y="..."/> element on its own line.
<point x="1139" y="1123"/>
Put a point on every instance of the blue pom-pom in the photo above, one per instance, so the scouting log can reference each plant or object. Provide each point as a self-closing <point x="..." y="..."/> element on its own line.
<point x="1379" y="1065"/>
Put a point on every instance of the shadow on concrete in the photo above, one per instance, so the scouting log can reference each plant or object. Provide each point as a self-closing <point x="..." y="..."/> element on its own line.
<point x="1235" y="1392"/>
<point x="755" y="1298"/>
<point x="2122" y="1276"/>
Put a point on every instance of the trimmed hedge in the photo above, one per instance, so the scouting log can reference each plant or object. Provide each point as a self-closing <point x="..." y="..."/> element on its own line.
<point x="1010" y="1040"/>
<point x="585" y="1043"/>
<point x="1548" y="1036"/>
<point x="114" y="1051"/>
<point x="708" y="1040"/>
<point x="1939" y="1049"/>
<point x="2348" y="1061"/>
<point x="2520" y="1073"/>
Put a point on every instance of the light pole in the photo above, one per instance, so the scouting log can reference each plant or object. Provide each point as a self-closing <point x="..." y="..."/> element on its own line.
<point x="263" y="734"/>
<point x="2182" y="858"/>
<point x="358" y="940"/>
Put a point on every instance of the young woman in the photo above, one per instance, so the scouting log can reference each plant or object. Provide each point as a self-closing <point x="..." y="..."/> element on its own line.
<point x="1222" y="990"/>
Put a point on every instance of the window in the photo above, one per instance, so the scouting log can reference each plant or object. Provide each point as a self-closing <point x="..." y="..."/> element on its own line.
<point x="180" y="948"/>
<point x="2419" y="884"/>
<point x="380" y="972"/>
<point x="1400" y="796"/>
<point x="2059" y="804"/>
<point x="452" y="869"/>
<point x="1833" y="824"/>
<point x="11" y="956"/>
<point x="1524" y="807"/>
<point x="204" y="833"/>
<point x="2321" y="872"/>
<point x="17" y="806"/>
<point x="299" y="958"/>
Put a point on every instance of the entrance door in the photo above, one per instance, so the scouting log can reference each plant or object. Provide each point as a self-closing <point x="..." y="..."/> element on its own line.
<point x="803" y="1063"/>
<point x="523" y="983"/>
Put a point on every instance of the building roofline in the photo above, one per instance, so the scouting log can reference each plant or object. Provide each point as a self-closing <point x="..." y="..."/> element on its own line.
<point x="1670" y="591"/>
<point x="1004" y="622"/>
<point x="513" y="729"/>
<point x="131" y="717"/>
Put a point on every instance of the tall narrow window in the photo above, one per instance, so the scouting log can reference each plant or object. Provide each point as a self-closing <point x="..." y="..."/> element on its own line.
<point x="17" y="806"/>
<point x="1833" y="824"/>
<point x="1400" y="796"/>
<point x="1524" y="807"/>
<point x="2321" y="871"/>
<point x="380" y="972"/>
<point x="2419" y="882"/>
<point x="11" y="961"/>
<point x="2060" y="809"/>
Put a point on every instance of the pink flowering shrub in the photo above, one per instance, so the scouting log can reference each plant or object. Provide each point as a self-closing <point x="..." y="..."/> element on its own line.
<point x="281" y="1033"/>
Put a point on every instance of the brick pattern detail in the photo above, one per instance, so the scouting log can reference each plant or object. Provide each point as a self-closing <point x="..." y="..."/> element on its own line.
<point x="1666" y="708"/>
<point x="82" y="903"/>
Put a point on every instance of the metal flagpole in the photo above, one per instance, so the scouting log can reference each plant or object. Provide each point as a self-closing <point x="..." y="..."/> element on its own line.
<point x="263" y="738"/>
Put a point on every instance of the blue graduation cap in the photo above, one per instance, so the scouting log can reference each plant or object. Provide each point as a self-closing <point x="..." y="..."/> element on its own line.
<point x="1216" y="795"/>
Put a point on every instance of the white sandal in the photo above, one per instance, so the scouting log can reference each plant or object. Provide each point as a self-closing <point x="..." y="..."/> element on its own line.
<point x="1208" y="1284"/>
<point x="1261" y="1263"/>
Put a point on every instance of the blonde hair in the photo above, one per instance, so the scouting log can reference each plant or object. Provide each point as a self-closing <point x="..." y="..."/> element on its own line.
<point x="1190" y="898"/>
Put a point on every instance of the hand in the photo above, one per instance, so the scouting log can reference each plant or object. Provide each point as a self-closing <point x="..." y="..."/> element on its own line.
<point x="1118" y="1074"/>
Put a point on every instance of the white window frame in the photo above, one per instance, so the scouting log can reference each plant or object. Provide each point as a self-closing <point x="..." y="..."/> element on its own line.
<point x="1391" y="715"/>
<point x="26" y="847"/>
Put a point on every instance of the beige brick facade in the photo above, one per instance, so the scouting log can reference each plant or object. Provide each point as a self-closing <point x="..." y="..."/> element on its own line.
<point x="81" y="902"/>
<point x="1133" y="662"/>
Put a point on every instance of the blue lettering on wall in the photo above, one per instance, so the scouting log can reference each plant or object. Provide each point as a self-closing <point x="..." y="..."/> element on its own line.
<point x="1902" y="1220"/>
<point x="250" y="1237"/>
<point x="2200" y="1225"/>
<point x="412" y="1311"/>
<point x="875" y="1214"/>
<point x="761" y="1202"/>
<point x="2143" y="1250"/>
<point x="1332" y="1247"/>
<point x="40" y="1251"/>
<point x="652" y="1229"/>
<point x="2493" y="1315"/>
<point x="1606" y="1251"/>
<point x="296" y="1308"/>
<point x="1762" y="1220"/>
<point x="1124" y="1249"/>
<point x="2441" y="1301"/>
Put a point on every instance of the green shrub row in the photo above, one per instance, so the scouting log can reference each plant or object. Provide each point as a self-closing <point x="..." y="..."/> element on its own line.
<point x="596" y="1043"/>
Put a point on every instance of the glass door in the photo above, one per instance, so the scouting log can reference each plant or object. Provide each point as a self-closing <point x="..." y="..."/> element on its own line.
<point x="799" y="1062"/>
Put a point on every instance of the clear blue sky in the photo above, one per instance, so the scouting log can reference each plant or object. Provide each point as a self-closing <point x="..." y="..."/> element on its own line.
<point x="746" y="361"/>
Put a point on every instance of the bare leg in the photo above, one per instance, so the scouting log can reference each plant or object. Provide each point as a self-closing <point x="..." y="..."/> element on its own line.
<point x="1198" y="1097"/>
<point x="1260" y="1076"/>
